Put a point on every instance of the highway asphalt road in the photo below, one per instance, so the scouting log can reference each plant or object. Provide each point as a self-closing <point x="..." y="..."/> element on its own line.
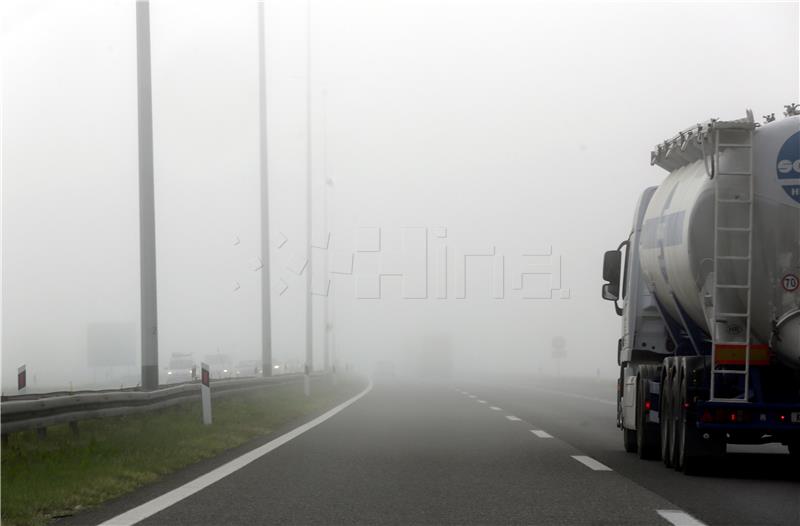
<point x="499" y="451"/>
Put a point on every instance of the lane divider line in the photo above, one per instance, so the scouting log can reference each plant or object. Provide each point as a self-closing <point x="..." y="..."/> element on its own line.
<point x="679" y="518"/>
<point x="149" y="508"/>
<point x="541" y="434"/>
<point x="481" y="401"/>
<point x="473" y="396"/>
<point x="573" y="395"/>
<point x="513" y="418"/>
<point x="495" y="408"/>
<point x="591" y="463"/>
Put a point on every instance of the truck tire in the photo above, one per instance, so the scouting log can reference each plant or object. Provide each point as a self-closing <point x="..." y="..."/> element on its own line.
<point x="647" y="434"/>
<point x="628" y="435"/>
<point x="693" y="450"/>
<point x="689" y="455"/>
<point x="666" y="413"/>
<point x="629" y="440"/>
<point x="675" y="413"/>
<point x="794" y="450"/>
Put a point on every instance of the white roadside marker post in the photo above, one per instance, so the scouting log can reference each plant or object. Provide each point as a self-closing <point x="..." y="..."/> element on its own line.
<point x="307" y="382"/>
<point x="205" y="393"/>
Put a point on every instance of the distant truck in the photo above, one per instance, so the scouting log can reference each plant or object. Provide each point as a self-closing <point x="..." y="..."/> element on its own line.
<point x="709" y="285"/>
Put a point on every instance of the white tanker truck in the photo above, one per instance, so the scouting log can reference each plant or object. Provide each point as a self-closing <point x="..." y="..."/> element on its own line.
<point x="709" y="286"/>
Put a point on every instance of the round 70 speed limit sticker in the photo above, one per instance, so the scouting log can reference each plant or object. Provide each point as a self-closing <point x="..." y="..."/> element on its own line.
<point x="790" y="282"/>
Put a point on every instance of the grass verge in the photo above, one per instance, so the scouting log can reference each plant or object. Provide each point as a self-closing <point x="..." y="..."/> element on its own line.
<point x="57" y="476"/>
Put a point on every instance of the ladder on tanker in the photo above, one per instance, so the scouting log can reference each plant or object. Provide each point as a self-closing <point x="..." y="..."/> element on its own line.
<point x="733" y="251"/>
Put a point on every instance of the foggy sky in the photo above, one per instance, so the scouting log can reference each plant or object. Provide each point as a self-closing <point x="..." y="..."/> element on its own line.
<point x="513" y="125"/>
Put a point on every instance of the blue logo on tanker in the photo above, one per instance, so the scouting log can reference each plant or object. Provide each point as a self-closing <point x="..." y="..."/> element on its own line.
<point x="788" y="166"/>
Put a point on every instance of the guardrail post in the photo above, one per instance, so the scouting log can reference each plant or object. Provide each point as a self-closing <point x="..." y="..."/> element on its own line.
<point x="41" y="432"/>
<point x="73" y="426"/>
<point x="307" y="382"/>
<point x="205" y="393"/>
<point x="5" y="438"/>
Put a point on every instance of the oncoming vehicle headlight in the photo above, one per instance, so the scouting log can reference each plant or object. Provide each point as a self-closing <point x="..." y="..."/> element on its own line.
<point x="169" y="372"/>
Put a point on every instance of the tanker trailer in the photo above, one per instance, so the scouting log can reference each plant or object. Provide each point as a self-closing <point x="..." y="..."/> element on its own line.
<point x="708" y="288"/>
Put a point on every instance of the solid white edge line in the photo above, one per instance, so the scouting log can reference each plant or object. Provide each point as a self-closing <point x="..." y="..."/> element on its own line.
<point x="495" y="408"/>
<point x="679" y="518"/>
<point x="166" y="500"/>
<point x="591" y="463"/>
<point x="541" y="434"/>
<point x="513" y="418"/>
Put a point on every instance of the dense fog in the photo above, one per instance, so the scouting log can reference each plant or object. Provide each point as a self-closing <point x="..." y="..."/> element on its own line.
<point x="470" y="163"/>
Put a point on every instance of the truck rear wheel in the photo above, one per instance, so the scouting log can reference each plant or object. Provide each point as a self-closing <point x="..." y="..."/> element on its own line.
<point x="794" y="450"/>
<point x="689" y="455"/>
<point x="629" y="440"/>
<point x="675" y="416"/>
<point x="628" y="435"/>
<point x="694" y="450"/>
<point x="665" y="410"/>
<point x="647" y="434"/>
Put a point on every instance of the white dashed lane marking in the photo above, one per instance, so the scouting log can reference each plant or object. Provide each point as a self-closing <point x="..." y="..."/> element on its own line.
<point x="541" y="434"/>
<point x="481" y="401"/>
<point x="473" y="396"/>
<point x="495" y="408"/>
<point x="513" y="418"/>
<point x="679" y="518"/>
<point x="591" y="463"/>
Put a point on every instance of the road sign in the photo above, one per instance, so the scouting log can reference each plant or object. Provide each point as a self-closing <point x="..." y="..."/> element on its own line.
<point x="559" y="352"/>
<point x="790" y="282"/>
<point x="559" y="347"/>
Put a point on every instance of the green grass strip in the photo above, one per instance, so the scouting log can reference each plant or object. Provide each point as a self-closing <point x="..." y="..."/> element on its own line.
<point x="62" y="474"/>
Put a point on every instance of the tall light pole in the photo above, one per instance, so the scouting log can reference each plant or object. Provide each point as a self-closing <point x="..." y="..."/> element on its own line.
<point x="328" y="183"/>
<point x="309" y="304"/>
<point x="266" y="311"/>
<point x="147" y="221"/>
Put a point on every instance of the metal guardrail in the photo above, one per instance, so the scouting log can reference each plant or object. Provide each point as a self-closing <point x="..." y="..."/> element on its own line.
<point x="39" y="413"/>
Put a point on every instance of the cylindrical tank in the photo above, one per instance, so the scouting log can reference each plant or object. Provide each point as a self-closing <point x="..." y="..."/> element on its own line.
<point x="677" y="241"/>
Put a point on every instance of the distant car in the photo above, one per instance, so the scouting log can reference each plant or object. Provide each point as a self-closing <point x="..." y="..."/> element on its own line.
<point x="220" y="365"/>
<point x="180" y="368"/>
<point x="248" y="368"/>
